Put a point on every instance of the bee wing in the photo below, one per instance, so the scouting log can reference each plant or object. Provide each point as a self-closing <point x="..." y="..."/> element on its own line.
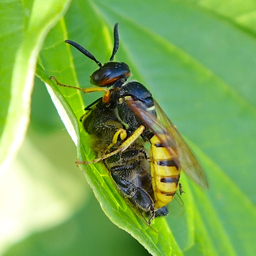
<point x="172" y="139"/>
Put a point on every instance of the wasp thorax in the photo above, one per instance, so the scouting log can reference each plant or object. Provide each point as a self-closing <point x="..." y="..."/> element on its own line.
<point x="109" y="73"/>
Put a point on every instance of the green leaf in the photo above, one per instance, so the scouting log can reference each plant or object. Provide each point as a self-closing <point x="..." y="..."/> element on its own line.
<point x="191" y="61"/>
<point x="23" y="31"/>
<point x="198" y="60"/>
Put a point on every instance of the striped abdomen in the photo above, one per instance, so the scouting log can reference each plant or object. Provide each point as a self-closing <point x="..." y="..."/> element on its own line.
<point x="165" y="173"/>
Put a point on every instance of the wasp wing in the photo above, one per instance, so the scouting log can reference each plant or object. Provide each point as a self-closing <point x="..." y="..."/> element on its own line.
<point x="151" y="121"/>
<point x="167" y="133"/>
<point x="189" y="164"/>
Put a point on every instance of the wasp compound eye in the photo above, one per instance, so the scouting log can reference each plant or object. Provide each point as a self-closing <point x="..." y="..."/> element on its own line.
<point x="109" y="73"/>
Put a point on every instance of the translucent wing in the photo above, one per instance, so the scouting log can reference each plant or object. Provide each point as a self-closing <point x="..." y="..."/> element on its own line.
<point x="167" y="133"/>
<point x="151" y="121"/>
<point x="189" y="164"/>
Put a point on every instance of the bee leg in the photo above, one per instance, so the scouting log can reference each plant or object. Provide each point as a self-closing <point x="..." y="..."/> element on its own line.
<point x="120" y="133"/>
<point x="137" y="195"/>
<point x="123" y="146"/>
<point x="152" y="214"/>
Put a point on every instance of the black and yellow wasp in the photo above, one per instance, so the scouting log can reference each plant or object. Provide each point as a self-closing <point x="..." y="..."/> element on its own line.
<point x="121" y="123"/>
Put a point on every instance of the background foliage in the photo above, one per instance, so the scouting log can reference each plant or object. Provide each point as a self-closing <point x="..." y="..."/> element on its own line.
<point x="196" y="57"/>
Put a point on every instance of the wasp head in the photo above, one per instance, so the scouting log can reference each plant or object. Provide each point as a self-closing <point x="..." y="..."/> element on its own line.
<point x="111" y="72"/>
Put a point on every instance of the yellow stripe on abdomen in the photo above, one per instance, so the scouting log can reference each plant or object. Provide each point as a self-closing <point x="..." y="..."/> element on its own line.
<point x="165" y="173"/>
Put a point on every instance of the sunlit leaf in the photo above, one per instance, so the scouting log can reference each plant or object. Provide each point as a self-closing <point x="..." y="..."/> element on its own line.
<point x="200" y="68"/>
<point x="198" y="60"/>
<point x="21" y="41"/>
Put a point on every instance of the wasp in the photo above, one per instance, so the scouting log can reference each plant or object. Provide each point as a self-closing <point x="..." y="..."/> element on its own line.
<point x="122" y="122"/>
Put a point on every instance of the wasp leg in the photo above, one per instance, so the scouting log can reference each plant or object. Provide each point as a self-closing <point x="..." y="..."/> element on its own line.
<point x="180" y="189"/>
<point x="120" y="133"/>
<point x="105" y="98"/>
<point x="137" y="195"/>
<point x="123" y="146"/>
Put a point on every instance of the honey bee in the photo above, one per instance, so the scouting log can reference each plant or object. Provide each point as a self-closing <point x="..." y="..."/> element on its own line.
<point x="122" y="122"/>
<point x="130" y="168"/>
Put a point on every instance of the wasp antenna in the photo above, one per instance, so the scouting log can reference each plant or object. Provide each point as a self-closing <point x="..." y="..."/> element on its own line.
<point x="84" y="51"/>
<point x="116" y="42"/>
